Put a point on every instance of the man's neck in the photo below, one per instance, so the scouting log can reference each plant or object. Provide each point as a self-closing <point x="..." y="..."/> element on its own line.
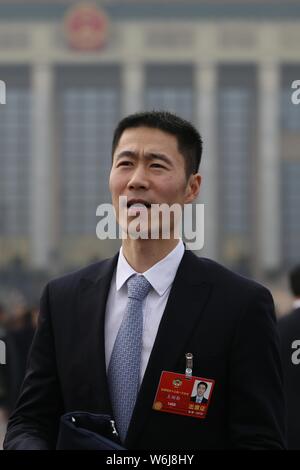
<point x="143" y="254"/>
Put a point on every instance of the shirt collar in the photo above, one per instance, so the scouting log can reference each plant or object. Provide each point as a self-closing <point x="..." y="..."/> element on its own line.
<point x="160" y="275"/>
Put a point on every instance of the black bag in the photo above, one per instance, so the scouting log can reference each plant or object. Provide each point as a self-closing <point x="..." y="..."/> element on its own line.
<point x="80" y="430"/>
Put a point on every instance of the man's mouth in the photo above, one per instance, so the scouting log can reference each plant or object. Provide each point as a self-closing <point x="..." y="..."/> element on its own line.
<point x="138" y="203"/>
<point x="137" y="206"/>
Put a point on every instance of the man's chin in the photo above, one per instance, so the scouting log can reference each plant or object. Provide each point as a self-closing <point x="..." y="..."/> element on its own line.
<point x="138" y="229"/>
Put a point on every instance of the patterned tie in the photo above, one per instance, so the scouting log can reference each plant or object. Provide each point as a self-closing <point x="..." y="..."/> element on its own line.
<point x="124" y="366"/>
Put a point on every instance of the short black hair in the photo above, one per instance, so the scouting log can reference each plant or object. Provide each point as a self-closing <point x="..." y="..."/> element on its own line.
<point x="202" y="383"/>
<point x="188" y="138"/>
<point x="294" y="278"/>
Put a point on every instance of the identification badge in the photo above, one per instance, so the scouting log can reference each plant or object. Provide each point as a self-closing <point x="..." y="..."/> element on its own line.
<point x="179" y="394"/>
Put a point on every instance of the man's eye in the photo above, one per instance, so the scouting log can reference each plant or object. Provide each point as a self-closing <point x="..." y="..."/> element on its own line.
<point x="157" y="165"/>
<point x="124" y="163"/>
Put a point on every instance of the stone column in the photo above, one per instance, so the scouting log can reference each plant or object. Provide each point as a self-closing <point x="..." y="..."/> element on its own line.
<point x="42" y="164"/>
<point x="268" y="174"/>
<point x="206" y="122"/>
<point x="133" y="87"/>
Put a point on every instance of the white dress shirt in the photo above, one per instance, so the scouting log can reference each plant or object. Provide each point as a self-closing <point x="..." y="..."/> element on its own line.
<point x="161" y="277"/>
<point x="199" y="399"/>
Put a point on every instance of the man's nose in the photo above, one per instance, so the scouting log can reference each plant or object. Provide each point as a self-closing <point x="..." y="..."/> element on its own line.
<point x="138" y="178"/>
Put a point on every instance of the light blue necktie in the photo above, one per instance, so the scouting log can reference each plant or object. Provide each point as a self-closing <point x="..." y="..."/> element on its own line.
<point x="125" y="362"/>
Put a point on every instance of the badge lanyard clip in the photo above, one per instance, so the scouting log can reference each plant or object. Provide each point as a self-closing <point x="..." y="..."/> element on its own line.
<point x="189" y="365"/>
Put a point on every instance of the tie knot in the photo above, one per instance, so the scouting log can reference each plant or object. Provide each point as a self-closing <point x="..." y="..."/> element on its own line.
<point x="138" y="287"/>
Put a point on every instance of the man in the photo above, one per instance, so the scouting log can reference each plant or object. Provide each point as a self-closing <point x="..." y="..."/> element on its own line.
<point x="200" y="398"/>
<point x="92" y="353"/>
<point x="289" y="329"/>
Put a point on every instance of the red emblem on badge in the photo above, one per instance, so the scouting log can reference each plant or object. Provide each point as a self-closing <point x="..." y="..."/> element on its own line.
<point x="86" y="27"/>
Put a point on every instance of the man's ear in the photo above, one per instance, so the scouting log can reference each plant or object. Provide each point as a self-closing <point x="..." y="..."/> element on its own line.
<point x="193" y="187"/>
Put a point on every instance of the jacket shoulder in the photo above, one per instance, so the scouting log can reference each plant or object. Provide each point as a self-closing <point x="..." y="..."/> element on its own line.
<point x="91" y="273"/>
<point x="228" y="279"/>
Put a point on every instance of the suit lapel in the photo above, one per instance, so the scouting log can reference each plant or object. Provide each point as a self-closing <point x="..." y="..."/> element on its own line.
<point x="183" y="311"/>
<point x="94" y="291"/>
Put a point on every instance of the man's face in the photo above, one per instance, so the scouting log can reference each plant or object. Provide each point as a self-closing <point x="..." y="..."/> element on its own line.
<point x="148" y="167"/>
<point x="201" y="390"/>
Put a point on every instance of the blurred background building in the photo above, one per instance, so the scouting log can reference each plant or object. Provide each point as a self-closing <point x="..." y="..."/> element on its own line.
<point x="73" y="70"/>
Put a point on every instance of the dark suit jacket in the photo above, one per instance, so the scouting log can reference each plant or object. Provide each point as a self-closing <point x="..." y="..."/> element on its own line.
<point x="204" y="401"/>
<point x="289" y="329"/>
<point x="225" y="320"/>
<point x="18" y="343"/>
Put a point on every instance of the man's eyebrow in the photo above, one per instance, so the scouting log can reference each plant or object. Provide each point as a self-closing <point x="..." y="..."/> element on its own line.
<point x="126" y="153"/>
<point x="159" y="156"/>
<point x="148" y="156"/>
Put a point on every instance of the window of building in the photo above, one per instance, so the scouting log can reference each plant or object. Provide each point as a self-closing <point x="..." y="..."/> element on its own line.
<point x="236" y="114"/>
<point x="170" y="88"/>
<point x="89" y="110"/>
<point x="15" y="149"/>
<point x="290" y="169"/>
